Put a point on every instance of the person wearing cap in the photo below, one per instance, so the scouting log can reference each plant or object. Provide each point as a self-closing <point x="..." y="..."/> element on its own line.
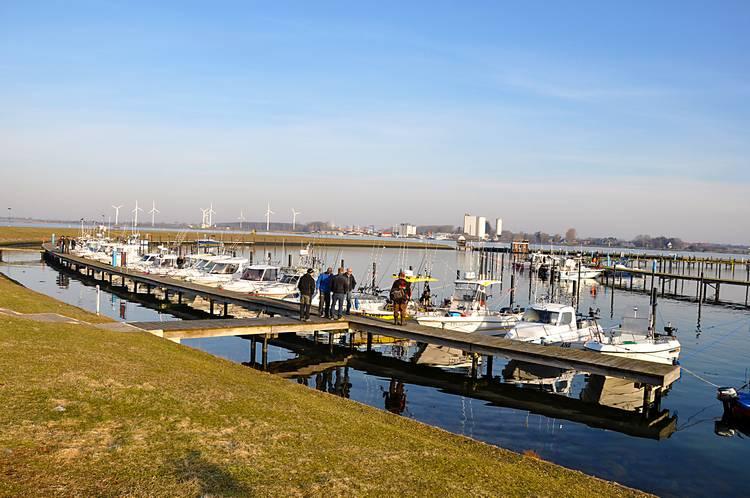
<point x="400" y="295"/>
<point x="306" y="286"/>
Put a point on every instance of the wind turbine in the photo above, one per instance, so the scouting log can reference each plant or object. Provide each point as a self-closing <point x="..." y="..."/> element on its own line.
<point x="294" y="218"/>
<point x="117" y="213"/>
<point x="268" y="217"/>
<point x="135" y="215"/>
<point x="211" y="214"/>
<point x="241" y="218"/>
<point x="204" y="212"/>
<point x="153" y="212"/>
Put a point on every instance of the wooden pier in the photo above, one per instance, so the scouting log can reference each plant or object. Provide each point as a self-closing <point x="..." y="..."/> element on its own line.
<point x="666" y="283"/>
<point x="651" y="374"/>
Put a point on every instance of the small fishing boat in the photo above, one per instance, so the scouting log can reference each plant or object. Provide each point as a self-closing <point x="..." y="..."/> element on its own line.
<point x="637" y="338"/>
<point x="467" y="311"/>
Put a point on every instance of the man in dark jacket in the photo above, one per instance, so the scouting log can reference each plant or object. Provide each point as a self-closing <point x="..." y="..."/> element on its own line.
<point x="352" y="283"/>
<point x="339" y="288"/>
<point x="400" y="295"/>
<point x="324" y="290"/>
<point x="306" y="286"/>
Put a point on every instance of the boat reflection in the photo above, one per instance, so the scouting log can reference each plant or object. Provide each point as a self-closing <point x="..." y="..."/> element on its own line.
<point x="607" y="403"/>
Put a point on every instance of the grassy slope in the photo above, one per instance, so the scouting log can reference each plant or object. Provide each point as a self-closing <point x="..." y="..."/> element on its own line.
<point x="146" y="417"/>
<point x="32" y="235"/>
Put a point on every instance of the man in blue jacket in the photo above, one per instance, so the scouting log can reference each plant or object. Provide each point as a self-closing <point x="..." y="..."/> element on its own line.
<point x="324" y="288"/>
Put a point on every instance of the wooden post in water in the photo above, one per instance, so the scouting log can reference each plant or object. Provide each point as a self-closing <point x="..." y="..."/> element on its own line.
<point x="512" y="288"/>
<point x="253" y="355"/>
<point x="369" y="342"/>
<point x="226" y="309"/>
<point x="474" y="362"/>
<point x="490" y="361"/>
<point x="265" y="352"/>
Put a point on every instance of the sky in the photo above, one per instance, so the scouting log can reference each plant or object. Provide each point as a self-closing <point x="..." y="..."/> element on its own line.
<point x="616" y="118"/>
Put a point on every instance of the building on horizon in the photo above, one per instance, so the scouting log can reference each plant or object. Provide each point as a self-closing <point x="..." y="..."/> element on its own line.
<point x="470" y="225"/>
<point x="481" y="227"/>
<point x="498" y="227"/>
<point x="406" y="230"/>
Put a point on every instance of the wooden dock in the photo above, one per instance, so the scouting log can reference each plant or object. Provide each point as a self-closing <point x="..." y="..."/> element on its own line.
<point x="648" y="373"/>
<point x="224" y="327"/>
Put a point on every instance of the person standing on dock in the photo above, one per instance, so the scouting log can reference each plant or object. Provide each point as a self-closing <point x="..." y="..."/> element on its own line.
<point x="400" y="295"/>
<point x="324" y="288"/>
<point x="352" y="283"/>
<point x="339" y="288"/>
<point x="306" y="286"/>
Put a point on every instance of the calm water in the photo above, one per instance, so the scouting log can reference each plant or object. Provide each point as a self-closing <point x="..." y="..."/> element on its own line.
<point x="689" y="459"/>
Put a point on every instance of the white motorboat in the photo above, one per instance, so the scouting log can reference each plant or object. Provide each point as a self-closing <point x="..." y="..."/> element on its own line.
<point x="553" y="324"/>
<point x="196" y="265"/>
<point x="637" y="338"/>
<point x="223" y="270"/>
<point x="574" y="269"/>
<point x="285" y="286"/>
<point x="252" y="278"/>
<point x="163" y="265"/>
<point x="467" y="311"/>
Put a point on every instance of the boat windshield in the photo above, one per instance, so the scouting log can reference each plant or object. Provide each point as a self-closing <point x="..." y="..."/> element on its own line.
<point x="540" y="316"/>
<point x="201" y="264"/>
<point x="465" y="291"/>
<point x="289" y="279"/>
<point x="224" y="268"/>
<point x="252" y="274"/>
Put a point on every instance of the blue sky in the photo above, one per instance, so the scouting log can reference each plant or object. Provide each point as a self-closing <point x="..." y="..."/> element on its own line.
<point x="548" y="114"/>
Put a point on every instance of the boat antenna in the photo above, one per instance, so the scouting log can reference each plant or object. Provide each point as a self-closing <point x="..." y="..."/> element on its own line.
<point x="652" y="317"/>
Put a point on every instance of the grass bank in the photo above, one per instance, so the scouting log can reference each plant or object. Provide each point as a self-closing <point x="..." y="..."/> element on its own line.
<point x="32" y="235"/>
<point x="90" y="412"/>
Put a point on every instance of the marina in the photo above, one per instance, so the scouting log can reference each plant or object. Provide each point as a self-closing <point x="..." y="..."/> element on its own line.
<point x="325" y="359"/>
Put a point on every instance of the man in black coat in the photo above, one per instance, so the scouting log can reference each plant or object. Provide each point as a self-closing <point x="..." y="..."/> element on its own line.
<point x="339" y="287"/>
<point x="306" y="286"/>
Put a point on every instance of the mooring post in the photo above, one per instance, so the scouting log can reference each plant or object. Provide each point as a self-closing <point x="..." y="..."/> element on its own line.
<point x="474" y="363"/>
<point x="315" y="337"/>
<point x="369" y="342"/>
<point x="490" y="361"/>
<point x="179" y="298"/>
<point x="226" y="309"/>
<point x="512" y="288"/>
<point x="253" y="355"/>
<point x="211" y="307"/>
<point x="646" y="400"/>
<point x="265" y="352"/>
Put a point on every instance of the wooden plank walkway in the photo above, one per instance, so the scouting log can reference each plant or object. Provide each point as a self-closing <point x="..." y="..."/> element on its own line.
<point x="639" y="371"/>
<point x="196" y="329"/>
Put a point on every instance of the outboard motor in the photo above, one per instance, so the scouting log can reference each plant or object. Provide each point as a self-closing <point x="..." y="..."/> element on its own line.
<point x="670" y="330"/>
<point x="727" y="396"/>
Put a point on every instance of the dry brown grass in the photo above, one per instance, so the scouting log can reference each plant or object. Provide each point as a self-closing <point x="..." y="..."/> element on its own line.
<point x="87" y="412"/>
